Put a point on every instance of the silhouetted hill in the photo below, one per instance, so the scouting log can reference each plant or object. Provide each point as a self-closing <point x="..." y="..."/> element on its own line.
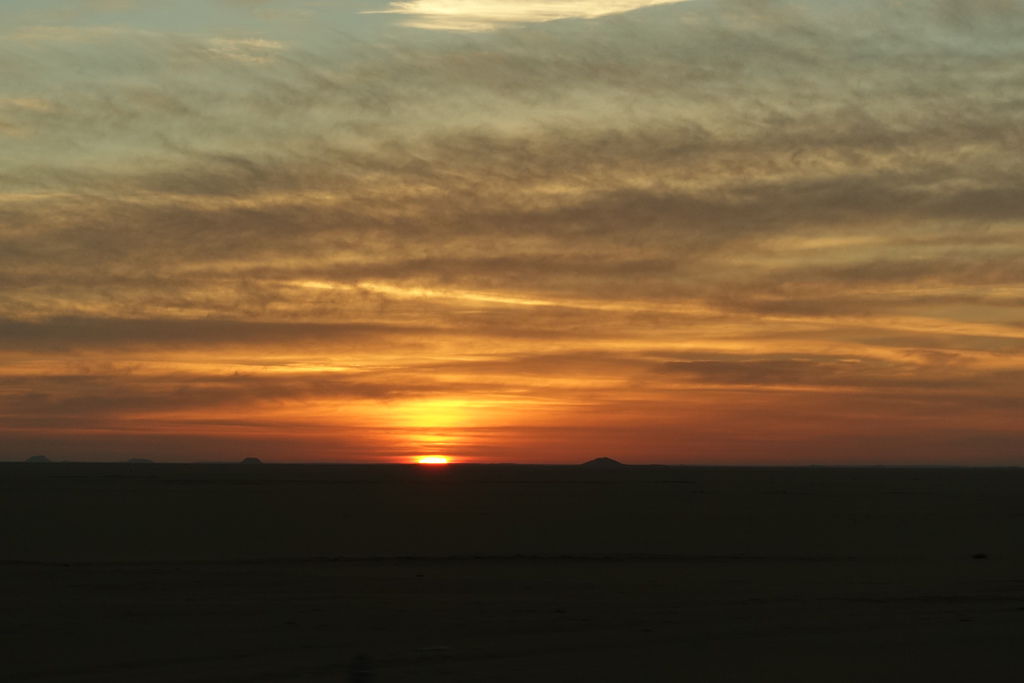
<point x="252" y="461"/>
<point x="37" y="458"/>
<point x="602" y="462"/>
<point x="140" y="461"/>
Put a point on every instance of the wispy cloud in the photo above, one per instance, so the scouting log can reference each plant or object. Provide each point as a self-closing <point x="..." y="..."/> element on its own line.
<point x="257" y="50"/>
<point x="45" y="33"/>
<point x="31" y="104"/>
<point x="487" y="15"/>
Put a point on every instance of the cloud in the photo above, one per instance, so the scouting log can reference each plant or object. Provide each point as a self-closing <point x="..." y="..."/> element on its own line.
<point x="72" y="334"/>
<point x="712" y="210"/>
<point x="487" y="15"/>
<point x="44" y="33"/>
<point x="31" y="104"/>
<point x="257" y="50"/>
<point x="63" y="397"/>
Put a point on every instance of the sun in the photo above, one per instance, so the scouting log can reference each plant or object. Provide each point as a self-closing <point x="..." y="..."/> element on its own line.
<point x="432" y="460"/>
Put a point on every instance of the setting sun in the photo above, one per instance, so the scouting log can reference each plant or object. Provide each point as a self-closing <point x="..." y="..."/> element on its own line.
<point x="432" y="460"/>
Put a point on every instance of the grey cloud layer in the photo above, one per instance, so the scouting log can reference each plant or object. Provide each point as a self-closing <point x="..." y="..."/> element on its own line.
<point x="715" y="131"/>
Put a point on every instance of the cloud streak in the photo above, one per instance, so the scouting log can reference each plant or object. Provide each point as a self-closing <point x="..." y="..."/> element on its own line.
<point x="487" y="15"/>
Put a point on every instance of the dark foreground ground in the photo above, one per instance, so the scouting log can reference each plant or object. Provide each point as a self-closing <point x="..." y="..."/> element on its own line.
<point x="188" y="573"/>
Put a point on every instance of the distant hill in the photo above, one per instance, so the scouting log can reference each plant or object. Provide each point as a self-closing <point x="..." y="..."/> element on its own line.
<point x="602" y="462"/>
<point x="252" y="461"/>
<point x="140" y="460"/>
<point x="37" y="458"/>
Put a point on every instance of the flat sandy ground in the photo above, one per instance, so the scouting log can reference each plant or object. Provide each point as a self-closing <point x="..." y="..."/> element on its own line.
<point x="154" y="573"/>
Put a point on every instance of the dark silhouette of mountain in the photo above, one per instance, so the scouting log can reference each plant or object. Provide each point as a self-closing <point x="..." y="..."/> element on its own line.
<point x="37" y="458"/>
<point x="140" y="461"/>
<point x="252" y="461"/>
<point x="602" y="462"/>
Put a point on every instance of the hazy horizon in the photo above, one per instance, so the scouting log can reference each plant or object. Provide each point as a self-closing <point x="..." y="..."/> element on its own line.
<point x="484" y="463"/>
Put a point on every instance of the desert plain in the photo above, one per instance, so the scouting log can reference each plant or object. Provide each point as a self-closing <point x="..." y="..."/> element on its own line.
<point x="400" y="574"/>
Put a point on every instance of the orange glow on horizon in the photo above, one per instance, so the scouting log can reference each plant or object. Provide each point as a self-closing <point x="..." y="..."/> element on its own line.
<point x="432" y="460"/>
<point x="434" y="426"/>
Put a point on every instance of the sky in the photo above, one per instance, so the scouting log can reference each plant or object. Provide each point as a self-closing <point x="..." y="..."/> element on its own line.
<point x="779" y="232"/>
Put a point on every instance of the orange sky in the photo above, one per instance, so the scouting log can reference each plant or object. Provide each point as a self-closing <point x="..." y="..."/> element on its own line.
<point x="696" y="232"/>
